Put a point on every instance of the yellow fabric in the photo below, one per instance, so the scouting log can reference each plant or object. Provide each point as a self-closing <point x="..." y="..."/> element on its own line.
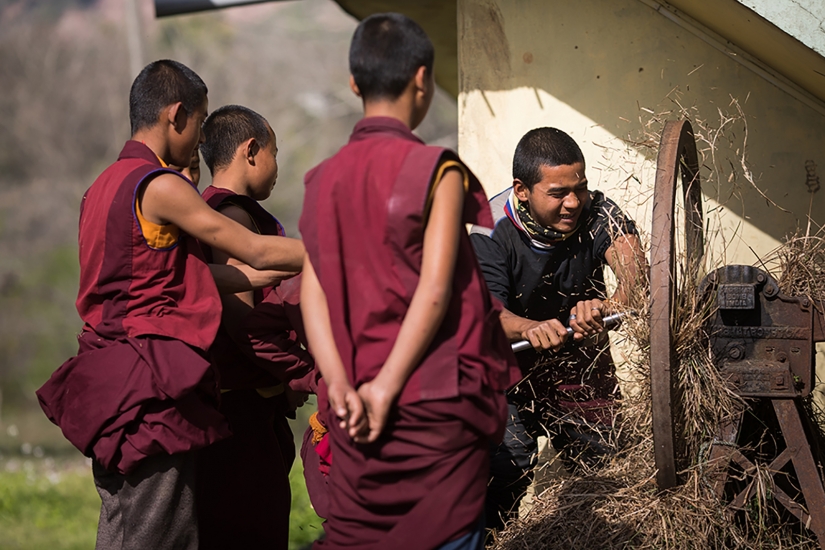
<point x="318" y="429"/>
<point x="271" y="391"/>
<point x="156" y="236"/>
<point x="442" y="168"/>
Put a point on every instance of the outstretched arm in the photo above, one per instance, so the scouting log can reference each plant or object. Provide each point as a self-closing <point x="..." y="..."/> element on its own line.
<point x="427" y="307"/>
<point x="170" y="199"/>
<point x="543" y="335"/>
<point x="343" y="399"/>
<point x="231" y="279"/>
<point x="626" y="259"/>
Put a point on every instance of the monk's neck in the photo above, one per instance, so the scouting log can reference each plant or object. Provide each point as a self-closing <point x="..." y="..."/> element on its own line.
<point x="155" y="141"/>
<point x="224" y="179"/>
<point x="400" y="109"/>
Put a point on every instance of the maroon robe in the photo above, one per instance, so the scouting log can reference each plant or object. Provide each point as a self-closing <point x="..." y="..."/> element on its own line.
<point x="243" y="497"/>
<point x="273" y="354"/>
<point x="277" y="342"/>
<point x="140" y="384"/>
<point x="422" y="484"/>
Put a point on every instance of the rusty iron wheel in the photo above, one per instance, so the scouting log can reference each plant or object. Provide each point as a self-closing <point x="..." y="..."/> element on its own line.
<point x="677" y="156"/>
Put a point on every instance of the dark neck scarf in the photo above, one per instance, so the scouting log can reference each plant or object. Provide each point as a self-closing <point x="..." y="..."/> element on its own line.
<point x="541" y="237"/>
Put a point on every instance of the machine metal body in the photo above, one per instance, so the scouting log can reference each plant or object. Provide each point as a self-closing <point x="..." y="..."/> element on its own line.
<point x="762" y="342"/>
<point x="763" y="345"/>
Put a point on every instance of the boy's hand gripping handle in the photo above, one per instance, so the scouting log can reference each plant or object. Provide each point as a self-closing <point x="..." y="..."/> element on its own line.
<point x="611" y="321"/>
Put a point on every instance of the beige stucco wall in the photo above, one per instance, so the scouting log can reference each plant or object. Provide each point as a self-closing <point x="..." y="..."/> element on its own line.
<point x="596" y="68"/>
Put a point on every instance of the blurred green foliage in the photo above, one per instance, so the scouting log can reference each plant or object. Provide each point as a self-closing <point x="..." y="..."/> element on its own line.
<point x="39" y="324"/>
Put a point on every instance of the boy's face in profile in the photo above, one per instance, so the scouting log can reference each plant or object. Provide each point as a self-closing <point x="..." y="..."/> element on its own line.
<point x="264" y="173"/>
<point x="559" y="198"/>
<point x="188" y="135"/>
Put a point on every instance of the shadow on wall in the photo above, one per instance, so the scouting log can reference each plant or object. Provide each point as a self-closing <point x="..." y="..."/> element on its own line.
<point x="622" y="65"/>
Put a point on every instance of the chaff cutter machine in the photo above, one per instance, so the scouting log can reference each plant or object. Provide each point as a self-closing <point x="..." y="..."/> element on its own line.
<point x="762" y="343"/>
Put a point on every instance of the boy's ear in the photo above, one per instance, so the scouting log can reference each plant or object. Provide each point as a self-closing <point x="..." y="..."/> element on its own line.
<point x="353" y="86"/>
<point x="422" y="79"/>
<point x="251" y="149"/>
<point x="520" y="190"/>
<point x="176" y="115"/>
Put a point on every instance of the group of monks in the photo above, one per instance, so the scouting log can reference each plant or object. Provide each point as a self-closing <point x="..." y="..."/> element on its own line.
<point x="205" y="326"/>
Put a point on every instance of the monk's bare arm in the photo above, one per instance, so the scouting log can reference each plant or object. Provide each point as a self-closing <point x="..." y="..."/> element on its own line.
<point x="342" y="397"/>
<point x="231" y="279"/>
<point x="235" y="277"/>
<point x="170" y="199"/>
<point x="238" y="305"/>
<point x="428" y="305"/>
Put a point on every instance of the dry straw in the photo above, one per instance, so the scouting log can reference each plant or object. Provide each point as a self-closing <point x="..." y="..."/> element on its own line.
<point x="619" y="505"/>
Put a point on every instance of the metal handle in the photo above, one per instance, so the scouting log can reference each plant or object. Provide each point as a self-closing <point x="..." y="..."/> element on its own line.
<point x="609" y="322"/>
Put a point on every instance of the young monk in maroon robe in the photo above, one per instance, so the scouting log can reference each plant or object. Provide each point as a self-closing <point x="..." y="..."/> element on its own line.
<point x="140" y="396"/>
<point x="398" y="316"/>
<point x="243" y="497"/>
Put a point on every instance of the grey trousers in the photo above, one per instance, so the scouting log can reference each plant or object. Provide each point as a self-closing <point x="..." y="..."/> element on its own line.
<point x="151" y="507"/>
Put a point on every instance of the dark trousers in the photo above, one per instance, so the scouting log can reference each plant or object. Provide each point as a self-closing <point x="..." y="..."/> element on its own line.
<point x="151" y="507"/>
<point x="474" y="540"/>
<point x="579" y="442"/>
<point x="511" y="469"/>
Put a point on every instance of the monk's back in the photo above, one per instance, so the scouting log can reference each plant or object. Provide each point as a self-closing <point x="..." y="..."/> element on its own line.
<point x="364" y="218"/>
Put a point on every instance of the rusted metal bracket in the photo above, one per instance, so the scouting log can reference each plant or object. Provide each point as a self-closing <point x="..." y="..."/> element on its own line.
<point x="762" y="340"/>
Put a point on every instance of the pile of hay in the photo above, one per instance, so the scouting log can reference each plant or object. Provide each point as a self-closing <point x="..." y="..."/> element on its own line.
<point x="619" y="506"/>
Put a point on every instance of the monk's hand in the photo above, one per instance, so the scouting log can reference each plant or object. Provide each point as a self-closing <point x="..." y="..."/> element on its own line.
<point x="546" y="335"/>
<point x="378" y="401"/>
<point x="348" y="407"/>
<point x="586" y="318"/>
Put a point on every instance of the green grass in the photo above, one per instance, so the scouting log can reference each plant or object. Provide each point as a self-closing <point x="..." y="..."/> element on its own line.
<point x="304" y="523"/>
<point x="54" y="505"/>
<point x="45" y="507"/>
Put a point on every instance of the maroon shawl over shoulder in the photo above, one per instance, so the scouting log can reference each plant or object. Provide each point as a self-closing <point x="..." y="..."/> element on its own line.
<point x="140" y="384"/>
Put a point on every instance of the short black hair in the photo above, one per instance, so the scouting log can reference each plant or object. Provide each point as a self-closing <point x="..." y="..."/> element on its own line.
<point x="543" y="146"/>
<point x="159" y="84"/>
<point x="386" y="51"/>
<point x="224" y="131"/>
